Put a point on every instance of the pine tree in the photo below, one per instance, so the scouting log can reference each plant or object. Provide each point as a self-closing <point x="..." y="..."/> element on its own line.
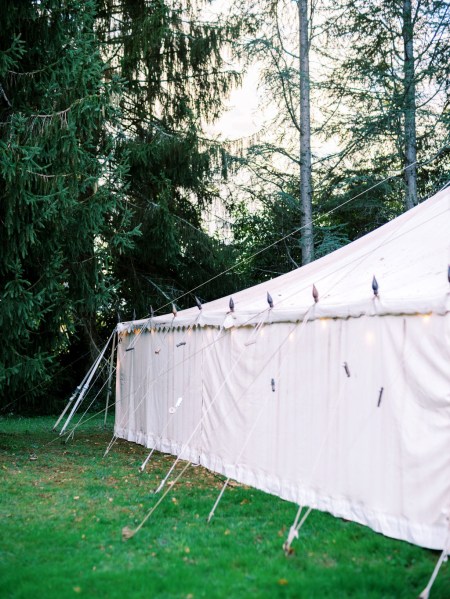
<point x="63" y="208"/>
<point x="173" y="61"/>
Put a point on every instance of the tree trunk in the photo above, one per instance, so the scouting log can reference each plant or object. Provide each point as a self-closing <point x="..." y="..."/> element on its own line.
<point x="307" y="240"/>
<point x="409" y="108"/>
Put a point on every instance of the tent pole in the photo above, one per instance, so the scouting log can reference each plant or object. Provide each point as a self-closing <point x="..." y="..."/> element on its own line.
<point x="111" y="364"/>
<point x="73" y="396"/>
<point x="85" y="387"/>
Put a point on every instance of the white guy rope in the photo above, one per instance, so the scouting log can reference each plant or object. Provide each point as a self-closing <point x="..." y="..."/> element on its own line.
<point x="242" y="394"/>
<point x="168" y="370"/>
<point x="127" y="533"/>
<point x="186" y="444"/>
<point x="442" y="558"/>
<point x="256" y="420"/>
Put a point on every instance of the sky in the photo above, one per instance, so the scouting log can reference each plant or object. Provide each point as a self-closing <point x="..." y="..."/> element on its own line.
<point x="241" y="117"/>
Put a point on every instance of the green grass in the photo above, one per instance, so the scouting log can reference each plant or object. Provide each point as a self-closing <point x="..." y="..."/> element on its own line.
<point x="62" y="517"/>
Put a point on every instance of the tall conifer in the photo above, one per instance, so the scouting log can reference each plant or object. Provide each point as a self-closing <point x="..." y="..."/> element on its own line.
<point x="62" y="203"/>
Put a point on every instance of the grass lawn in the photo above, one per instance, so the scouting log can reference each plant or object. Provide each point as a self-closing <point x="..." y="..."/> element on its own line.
<point x="63" y="513"/>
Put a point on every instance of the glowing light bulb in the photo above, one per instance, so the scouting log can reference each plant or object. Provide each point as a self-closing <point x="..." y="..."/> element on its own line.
<point x="370" y="337"/>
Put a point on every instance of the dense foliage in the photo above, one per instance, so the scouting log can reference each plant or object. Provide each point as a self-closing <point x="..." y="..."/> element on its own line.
<point x="172" y="59"/>
<point x="62" y="190"/>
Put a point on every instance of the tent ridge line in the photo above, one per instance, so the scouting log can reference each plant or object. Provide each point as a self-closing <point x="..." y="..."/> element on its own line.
<point x="162" y="328"/>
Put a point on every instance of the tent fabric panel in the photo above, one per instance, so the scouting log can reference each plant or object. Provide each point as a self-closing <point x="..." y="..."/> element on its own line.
<point x="321" y="438"/>
<point x="326" y="442"/>
<point x="166" y="372"/>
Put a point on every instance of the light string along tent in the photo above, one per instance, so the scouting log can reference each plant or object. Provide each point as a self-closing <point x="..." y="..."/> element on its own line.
<point x="172" y="368"/>
<point x="156" y="378"/>
<point x="167" y="371"/>
<point x="159" y="376"/>
<point x="148" y="326"/>
<point x="206" y="412"/>
<point x="345" y="202"/>
<point x="174" y="410"/>
<point x="251" y="340"/>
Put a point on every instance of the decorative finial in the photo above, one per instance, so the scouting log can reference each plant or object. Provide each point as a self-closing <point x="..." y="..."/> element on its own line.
<point x="198" y="302"/>
<point x="375" y="286"/>
<point x="152" y="312"/>
<point x="231" y="304"/>
<point x="315" y="294"/>
<point x="118" y="317"/>
<point x="174" y="310"/>
<point x="269" y="300"/>
<point x="134" y="314"/>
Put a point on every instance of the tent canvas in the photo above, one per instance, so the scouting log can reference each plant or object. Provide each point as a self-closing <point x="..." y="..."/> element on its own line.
<point x="342" y="404"/>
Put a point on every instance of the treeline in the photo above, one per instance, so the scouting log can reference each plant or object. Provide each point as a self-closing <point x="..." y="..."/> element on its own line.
<point x="106" y="174"/>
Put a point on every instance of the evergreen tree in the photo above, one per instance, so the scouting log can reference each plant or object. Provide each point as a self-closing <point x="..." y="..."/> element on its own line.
<point x="62" y="208"/>
<point x="173" y="60"/>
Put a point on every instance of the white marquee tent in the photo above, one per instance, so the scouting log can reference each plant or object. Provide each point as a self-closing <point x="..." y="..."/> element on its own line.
<point x="340" y="404"/>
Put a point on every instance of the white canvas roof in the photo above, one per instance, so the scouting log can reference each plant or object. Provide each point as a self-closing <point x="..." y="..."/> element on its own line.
<point x="409" y="257"/>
